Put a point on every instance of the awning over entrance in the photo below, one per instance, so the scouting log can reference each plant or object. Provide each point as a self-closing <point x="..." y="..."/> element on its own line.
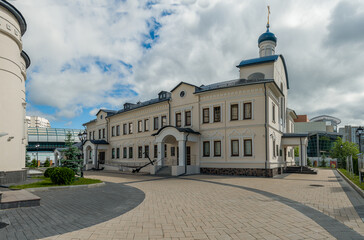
<point x="294" y="140"/>
<point x="94" y="151"/>
<point x="182" y="130"/>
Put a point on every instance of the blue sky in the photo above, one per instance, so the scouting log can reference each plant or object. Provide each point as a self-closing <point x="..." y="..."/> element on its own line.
<point x="90" y="54"/>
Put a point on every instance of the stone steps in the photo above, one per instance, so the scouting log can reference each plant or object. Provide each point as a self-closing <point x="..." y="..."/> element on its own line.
<point x="165" y="171"/>
<point x="17" y="199"/>
<point x="301" y="170"/>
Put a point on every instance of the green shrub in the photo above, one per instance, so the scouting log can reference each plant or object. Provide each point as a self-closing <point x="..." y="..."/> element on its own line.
<point x="34" y="163"/>
<point x="62" y="176"/>
<point x="309" y="163"/>
<point x="323" y="163"/>
<point x="48" y="172"/>
<point x="47" y="163"/>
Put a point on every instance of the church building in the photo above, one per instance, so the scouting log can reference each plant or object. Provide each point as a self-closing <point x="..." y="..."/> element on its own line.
<point x="236" y="127"/>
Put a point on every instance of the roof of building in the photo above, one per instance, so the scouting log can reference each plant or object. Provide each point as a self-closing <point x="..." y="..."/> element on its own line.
<point x="26" y="58"/>
<point x="98" y="142"/>
<point x="183" y="83"/>
<point x="231" y="83"/>
<point x="294" y="135"/>
<point x="186" y="130"/>
<point x="260" y="60"/>
<point x="108" y="112"/>
<point x="322" y="118"/>
<point x="267" y="36"/>
<point x="17" y="14"/>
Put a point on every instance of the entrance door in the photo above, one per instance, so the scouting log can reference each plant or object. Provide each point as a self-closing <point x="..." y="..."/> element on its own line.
<point x="102" y="157"/>
<point x="188" y="152"/>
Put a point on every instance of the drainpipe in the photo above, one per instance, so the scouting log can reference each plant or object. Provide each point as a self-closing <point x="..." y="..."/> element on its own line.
<point x="169" y="112"/>
<point x="266" y="131"/>
<point x="301" y="152"/>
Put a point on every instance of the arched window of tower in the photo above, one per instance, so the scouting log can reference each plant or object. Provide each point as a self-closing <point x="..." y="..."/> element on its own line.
<point x="256" y="76"/>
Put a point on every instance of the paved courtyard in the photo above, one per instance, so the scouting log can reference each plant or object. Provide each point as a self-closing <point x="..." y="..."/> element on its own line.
<point x="290" y="206"/>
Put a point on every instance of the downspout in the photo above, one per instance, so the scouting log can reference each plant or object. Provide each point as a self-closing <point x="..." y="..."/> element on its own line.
<point x="169" y="112"/>
<point x="301" y="152"/>
<point x="266" y="131"/>
<point x="186" y="153"/>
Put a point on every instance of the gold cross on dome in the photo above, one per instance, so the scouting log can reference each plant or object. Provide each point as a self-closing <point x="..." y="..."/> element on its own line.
<point x="268" y="14"/>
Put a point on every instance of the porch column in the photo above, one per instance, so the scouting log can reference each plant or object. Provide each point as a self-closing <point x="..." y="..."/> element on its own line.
<point x="182" y="153"/>
<point x="94" y="156"/>
<point x="85" y="156"/>
<point x="160" y="154"/>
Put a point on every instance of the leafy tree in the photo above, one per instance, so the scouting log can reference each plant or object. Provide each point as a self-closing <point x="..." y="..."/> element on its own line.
<point x="70" y="158"/>
<point x="27" y="160"/>
<point x="47" y="163"/>
<point x="342" y="150"/>
<point x="296" y="152"/>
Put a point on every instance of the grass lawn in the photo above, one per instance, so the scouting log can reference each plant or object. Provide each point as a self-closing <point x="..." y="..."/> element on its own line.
<point x="354" y="178"/>
<point x="48" y="183"/>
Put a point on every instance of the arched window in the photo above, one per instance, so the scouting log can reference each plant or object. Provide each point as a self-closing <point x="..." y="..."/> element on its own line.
<point x="256" y="76"/>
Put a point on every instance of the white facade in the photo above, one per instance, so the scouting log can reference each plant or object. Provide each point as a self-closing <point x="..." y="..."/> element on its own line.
<point x="36" y="121"/>
<point x="13" y="65"/>
<point x="238" y="127"/>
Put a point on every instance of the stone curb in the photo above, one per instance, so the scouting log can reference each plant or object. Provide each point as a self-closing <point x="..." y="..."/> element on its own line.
<point x="353" y="185"/>
<point x="65" y="187"/>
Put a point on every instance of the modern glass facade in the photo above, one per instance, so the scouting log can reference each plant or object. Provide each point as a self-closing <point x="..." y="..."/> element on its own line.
<point x="320" y="143"/>
<point x="49" y="139"/>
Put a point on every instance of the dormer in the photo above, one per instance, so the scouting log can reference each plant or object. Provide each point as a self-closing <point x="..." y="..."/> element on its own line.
<point x="128" y="106"/>
<point x="164" y="95"/>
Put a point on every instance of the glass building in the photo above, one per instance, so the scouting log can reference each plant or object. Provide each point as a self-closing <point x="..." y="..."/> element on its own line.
<point x="320" y="143"/>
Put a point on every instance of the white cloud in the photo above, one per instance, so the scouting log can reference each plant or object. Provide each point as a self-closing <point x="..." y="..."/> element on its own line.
<point x="200" y="43"/>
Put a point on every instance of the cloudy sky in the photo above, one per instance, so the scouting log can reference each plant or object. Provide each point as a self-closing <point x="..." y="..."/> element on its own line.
<point x="91" y="54"/>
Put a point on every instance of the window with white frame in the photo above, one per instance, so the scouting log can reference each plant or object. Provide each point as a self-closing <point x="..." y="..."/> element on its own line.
<point x="146" y="125"/>
<point x="164" y="121"/>
<point x="113" y="153"/>
<point x="217" y="114"/>
<point x="125" y="152"/>
<point x="125" y="129"/>
<point x="273" y="112"/>
<point x="247" y="110"/>
<point x="117" y="152"/>
<point x="146" y="151"/>
<point x="188" y="118"/>
<point x="234" y="112"/>
<point x="140" y="126"/>
<point x="130" y="128"/>
<point x="234" y="147"/>
<point x="178" y="119"/>
<point x="248" y="147"/>
<point x="217" y="148"/>
<point x="206" y="115"/>
<point x="155" y="123"/>
<point x="206" y="149"/>
<point x="112" y="131"/>
<point x="117" y="130"/>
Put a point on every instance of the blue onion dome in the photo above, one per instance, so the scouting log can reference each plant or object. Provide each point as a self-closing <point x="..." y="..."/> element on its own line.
<point x="267" y="36"/>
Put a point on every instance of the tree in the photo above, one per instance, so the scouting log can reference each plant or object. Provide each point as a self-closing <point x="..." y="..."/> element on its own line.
<point x="296" y="152"/>
<point x="342" y="150"/>
<point x="27" y="160"/>
<point x="70" y="158"/>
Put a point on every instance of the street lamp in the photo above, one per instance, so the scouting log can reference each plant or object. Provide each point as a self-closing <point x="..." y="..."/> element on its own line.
<point x="82" y="136"/>
<point x="37" y="147"/>
<point x="359" y="132"/>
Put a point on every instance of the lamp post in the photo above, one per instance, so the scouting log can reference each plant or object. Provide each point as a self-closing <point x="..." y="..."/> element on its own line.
<point x="82" y="136"/>
<point x="359" y="132"/>
<point x="37" y="147"/>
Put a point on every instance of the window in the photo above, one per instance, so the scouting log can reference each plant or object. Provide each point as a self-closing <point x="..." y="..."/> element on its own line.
<point x="131" y="128"/>
<point x="140" y="152"/>
<point x="140" y="125"/>
<point x="113" y="153"/>
<point x="256" y="76"/>
<point x="99" y="133"/>
<point x="125" y="152"/>
<point x="156" y="119"/>
<point x="217" y="114"/>
<point x="155" y="151"/>
<point x="146" y="151"/>
<point x="248" y="110"/>
<point x="93" y="135"/>
<point x="146" y="125"/>
<point x="206" y="149"/>
<point x="178" y="119"/>
<point x="130" y="152"/>
<point x="248" y="147"/>
<point x="277" y="150"/>
<point x="274" y="113"/>
<point x="274" y="148"/>
<point x="112" y="131"/>
<point x="234" y="112"/>
<point x="125" y="131"/>
<point x="118" y="130"/>
<point x="165" y="150"/>
<point x="234" y="148"/>
<point x="188" y="118"/>
<point x="206" y="115"/>
<point x="173" y="151"/>
<point x="103" y="133"/>
<point x="164" y="121"/>
<point x="217" y="148"/>
<point x="118" y="153"/>
<point x="90" y="137"/>
<point x="280" y="152"/>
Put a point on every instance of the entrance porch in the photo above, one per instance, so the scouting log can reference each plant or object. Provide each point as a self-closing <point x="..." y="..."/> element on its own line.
<point x="94" y="153"/>
<point x="183" y="157"/>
